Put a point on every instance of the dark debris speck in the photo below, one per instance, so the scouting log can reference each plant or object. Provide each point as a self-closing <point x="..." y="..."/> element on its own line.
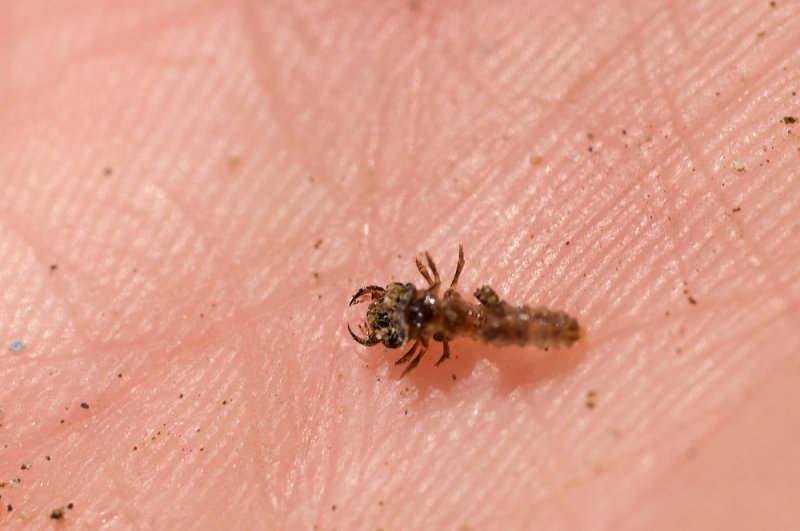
<point x="590" y="396"/>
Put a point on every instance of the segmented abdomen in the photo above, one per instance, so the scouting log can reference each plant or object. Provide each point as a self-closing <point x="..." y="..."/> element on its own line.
<point x="499" y="323"/>
<point x="520" y="325"/>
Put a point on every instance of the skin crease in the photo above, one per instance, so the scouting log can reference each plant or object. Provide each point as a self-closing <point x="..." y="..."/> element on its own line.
<point x="213" y="181"/>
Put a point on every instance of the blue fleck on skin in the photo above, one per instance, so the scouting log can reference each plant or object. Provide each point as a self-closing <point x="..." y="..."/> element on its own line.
<point x="16" y="346"/>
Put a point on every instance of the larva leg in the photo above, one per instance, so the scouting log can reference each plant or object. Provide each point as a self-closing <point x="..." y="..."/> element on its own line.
<point x="424" y="271"/>
<point x="459" y="267"/>
<point x="445" y="352"/>
<point x="415" y="361"/>
<point x="432" y="265"/>
<point x="407" y="355"/>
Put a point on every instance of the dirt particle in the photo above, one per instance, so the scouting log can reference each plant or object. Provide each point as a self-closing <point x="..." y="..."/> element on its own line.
<point x="57" y="513"/>
<point x="53" y="267"/>
<point x="317" y="244"/>
<point x="590" y="396"/>
<point x="738" y="166"/>
<point x="26" y="466"/>
<point x="691" y="300"/>
<point x="737" y="209"/>
<point x="234" y="161"/>
<point x="789" y="119"/>
<point x="84" y="405"/>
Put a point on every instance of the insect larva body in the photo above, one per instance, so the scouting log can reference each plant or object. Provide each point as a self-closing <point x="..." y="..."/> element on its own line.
<point x="401" y="313"/>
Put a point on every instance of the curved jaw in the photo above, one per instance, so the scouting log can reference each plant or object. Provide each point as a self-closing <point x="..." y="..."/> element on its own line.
<point x="367" y="339"/>
<point x="374" y="292"/>
<point x="366" y="293"/>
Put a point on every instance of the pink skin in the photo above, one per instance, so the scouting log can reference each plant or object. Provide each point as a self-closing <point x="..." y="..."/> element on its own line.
<point x="215" y="180"/>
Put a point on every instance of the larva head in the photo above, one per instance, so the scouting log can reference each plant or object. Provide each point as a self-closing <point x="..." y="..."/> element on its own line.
<point x="386" y="315"/>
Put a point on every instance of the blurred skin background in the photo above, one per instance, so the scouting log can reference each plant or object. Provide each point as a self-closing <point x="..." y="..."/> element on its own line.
<point x="192" y="192"/>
